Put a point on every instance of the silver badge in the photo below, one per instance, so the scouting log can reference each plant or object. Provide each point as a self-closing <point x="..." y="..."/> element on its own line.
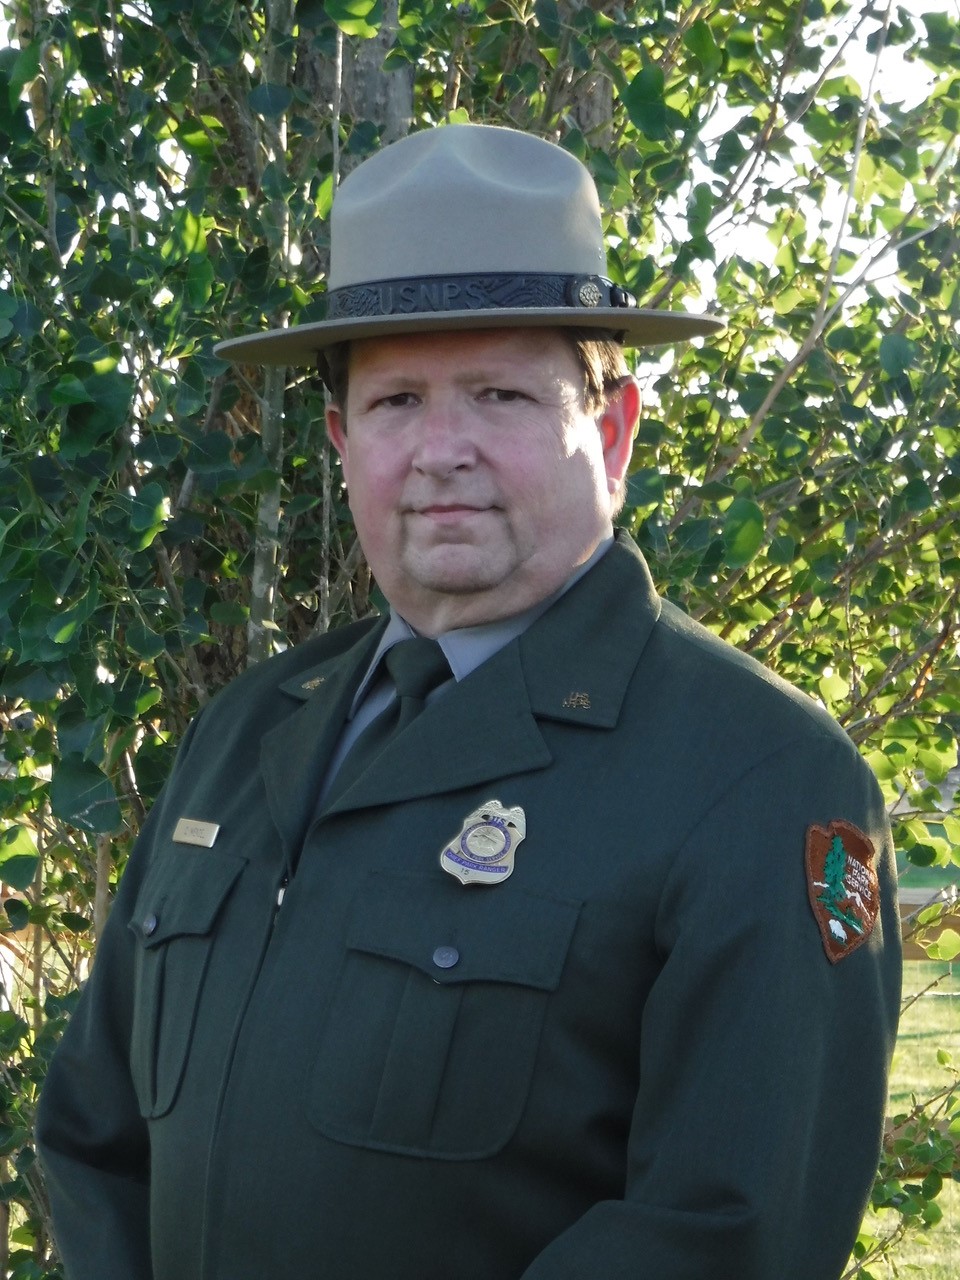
<point x="483" y="851"/>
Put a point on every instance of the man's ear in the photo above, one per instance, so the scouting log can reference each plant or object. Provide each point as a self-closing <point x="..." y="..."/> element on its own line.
<point x="618" y="424"/>
<point x="336" y="430"/>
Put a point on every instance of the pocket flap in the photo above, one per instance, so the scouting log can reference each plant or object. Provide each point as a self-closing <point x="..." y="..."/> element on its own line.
<point x="182" y="894"/>
<point x="457" y="934"/>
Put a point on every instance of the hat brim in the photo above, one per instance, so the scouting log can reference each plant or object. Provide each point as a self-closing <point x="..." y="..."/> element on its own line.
<point x="299" y="344"/>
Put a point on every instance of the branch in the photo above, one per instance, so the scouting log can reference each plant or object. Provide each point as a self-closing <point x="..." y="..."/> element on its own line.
<point x="263" y="579"/>
<point x="821" y="312"/>
<point x="101" y="893"/>
<point x="195" y="675"/>
<point x="351" y="564"/>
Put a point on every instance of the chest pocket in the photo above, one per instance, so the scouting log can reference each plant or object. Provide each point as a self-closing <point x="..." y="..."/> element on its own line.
<point x="432" y="1034"/>
<point x="173" y="922"/>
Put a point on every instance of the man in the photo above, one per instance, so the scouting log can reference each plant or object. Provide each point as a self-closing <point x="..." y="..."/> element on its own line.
<point x="579" y="958"/>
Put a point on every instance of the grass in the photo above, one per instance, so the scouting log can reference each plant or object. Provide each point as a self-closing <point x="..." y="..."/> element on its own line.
<point x="931" y="1023"/>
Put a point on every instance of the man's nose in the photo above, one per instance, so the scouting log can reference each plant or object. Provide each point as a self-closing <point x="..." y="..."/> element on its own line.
<point x="443" y="444"/>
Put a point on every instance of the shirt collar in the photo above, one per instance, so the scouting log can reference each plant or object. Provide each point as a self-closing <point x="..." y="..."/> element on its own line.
<point x="466" y="648"/>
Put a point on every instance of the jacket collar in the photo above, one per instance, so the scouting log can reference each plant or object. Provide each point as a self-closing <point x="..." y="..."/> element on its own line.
<point x="579" y="658"/>
<point x="573" y="664"/>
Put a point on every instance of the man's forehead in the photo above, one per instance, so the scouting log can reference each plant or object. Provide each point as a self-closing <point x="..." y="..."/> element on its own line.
<point x="473" y="347"/>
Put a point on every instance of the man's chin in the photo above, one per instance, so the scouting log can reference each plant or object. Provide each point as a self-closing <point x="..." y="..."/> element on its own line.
<point x="456" y="571"/>
<point x="452" y="584"/>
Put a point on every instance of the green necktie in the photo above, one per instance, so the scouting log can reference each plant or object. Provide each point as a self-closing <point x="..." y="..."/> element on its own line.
<point x="417" y="667"/>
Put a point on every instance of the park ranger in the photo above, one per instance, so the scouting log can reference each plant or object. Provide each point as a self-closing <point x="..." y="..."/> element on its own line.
<point x="527" y="930"/>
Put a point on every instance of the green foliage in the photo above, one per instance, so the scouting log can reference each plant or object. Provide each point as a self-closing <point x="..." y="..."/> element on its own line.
<point x="167" y="172"/>
<point x="921" y="1153"/>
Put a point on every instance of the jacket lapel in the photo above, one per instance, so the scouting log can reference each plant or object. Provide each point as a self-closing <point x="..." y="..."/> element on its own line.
<point x="480" y="729"/>
<point x="294" y="754"/>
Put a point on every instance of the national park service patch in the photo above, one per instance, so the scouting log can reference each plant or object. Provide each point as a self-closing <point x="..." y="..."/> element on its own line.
<point x="842" y="884"/>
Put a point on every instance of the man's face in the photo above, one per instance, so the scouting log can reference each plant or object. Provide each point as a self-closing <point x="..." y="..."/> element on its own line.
<point x="477" y="481"/>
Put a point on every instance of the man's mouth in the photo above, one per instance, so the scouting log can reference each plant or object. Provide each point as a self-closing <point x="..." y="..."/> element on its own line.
<point x="449" y="510"/>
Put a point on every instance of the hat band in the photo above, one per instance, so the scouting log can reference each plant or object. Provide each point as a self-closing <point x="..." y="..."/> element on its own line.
<point x="428" y="294"/>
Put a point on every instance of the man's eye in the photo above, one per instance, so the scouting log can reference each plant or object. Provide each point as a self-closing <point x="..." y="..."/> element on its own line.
<point x="399" y="400"/>
<point x="503" y="395"/>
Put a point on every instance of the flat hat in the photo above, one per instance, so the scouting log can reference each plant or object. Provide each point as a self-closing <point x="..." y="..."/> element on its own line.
<point x="467" y="227"/>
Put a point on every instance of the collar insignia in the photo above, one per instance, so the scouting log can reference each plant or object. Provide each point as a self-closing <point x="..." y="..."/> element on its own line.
<point x="578" y="701"/>
<point x="842" y="885"/>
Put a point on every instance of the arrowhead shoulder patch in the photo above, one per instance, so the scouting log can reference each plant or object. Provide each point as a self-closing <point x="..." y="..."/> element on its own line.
<point x="842" y="884"/>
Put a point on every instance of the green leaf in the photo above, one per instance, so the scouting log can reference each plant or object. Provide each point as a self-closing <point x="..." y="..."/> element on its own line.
<point x="212" y="452"/>
<point x="897" y="354"/>
<point x="645" y="104"/>
<point x="26" y="68"/>
<point x="200" y="280"/>
<point x="741" y="47"/>
<point x="270" y="100"/>
<point x="144" y="642"/>
<point x="699" y="209"/>
<point x="74" y="921"/>
<point x="229" y="613"/>
<point x="645" y="487"/>
<point x="88" y="424"/>
<point x="158" y="450"/>
<point x="356" y="17"/>
<point x="18" y="913"/>
<point x="70" y="390"/>
<point x="782" y="550"/>
<point x="18" y="858"/>
<point x="148" y="509"/>
<point x="833" y="689"/>
<point x="324" y="197"/>
<point x="78" y="733"/>
<point x="13" y="1029"/>
<point x="743" y="529"/>
<point x="922" y="855"/>
<point x="917" y="495"/>
<point x="946" y="947"/>
<point x="932" y="1213"/>
<point x="33" y="635"/>
<point x="192" y="388"/>
<point x="187" y="238"/>
<point x="941" y="32"/>
<point x="699" y="40"/>
<point x="63" y="625"/>
<point x="82" y="795"/>
<point x="730" y="152"/>
<point x="548" y="19"/>
<point x="200" y="137"/>
<point x="300" y="505"/>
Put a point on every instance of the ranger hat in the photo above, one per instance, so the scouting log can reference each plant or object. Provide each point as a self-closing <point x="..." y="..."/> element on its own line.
<point x="467" y="227"/>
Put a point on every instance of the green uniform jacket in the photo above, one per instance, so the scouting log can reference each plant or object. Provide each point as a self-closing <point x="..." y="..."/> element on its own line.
<point x="641" y="1063"/>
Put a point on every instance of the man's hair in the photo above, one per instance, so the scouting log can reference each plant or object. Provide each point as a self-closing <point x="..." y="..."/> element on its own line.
<point x="599" y="354"/>
<point x="601" y="359"/>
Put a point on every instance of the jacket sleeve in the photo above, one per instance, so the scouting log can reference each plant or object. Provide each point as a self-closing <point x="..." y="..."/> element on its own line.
<point x="762" y="1081"/>
<point x="92" y="1141"/>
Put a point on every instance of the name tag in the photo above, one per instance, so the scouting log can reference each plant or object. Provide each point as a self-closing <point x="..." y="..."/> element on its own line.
<point x="191" y="831"/>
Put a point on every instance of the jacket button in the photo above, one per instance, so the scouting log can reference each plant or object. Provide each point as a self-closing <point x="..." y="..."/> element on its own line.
<point x="446" y="957"/>
<point x="149" y="925"/>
